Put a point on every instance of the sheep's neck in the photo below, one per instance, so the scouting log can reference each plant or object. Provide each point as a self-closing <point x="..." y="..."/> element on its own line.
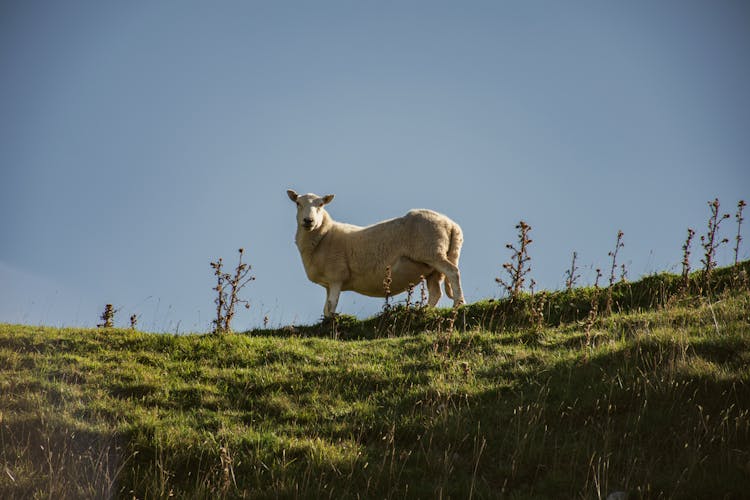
<point x="308" y="241"/>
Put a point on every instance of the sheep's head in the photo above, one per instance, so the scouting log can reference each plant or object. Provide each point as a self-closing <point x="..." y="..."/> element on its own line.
<point x="309" y="209"/>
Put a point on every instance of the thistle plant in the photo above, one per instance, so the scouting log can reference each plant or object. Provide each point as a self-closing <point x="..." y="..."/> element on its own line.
<point x="686" y="259"/>
<point x="740" y="205"/>
<point x="387" y="280"/>
<point x="387" y="318"/>
<point x="571" y="275"/>
<point x="227" y="288"/>
<point x="133" y="321"/>
<point x="411" y="294"/>
<point x="711" y="243"/>
<point x="598" y="277"/>
<point x="518" y="267"/>
<point x="108" y="317"/>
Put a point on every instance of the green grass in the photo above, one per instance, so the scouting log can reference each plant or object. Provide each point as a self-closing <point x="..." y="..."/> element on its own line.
<point x="657" y="405"/>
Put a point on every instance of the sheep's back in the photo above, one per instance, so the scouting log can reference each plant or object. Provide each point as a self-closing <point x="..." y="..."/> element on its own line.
<point x="420" y="235"/>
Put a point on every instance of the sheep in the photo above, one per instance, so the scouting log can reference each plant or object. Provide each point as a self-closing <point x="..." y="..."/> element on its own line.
<point x="343" y="257"/>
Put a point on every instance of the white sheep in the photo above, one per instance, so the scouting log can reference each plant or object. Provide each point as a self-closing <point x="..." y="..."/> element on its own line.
<point x="344" y="257"/>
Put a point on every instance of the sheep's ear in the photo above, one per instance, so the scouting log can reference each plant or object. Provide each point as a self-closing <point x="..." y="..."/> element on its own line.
<point x="292" y="195"/>
<point x="327" y="199"/>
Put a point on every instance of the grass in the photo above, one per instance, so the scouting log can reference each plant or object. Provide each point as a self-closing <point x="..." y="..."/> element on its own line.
<point x="658" y="405"/>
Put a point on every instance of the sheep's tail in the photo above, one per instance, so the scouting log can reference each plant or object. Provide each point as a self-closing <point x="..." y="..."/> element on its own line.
<point x="454" y="249"/>
<point x="454" y="252"/>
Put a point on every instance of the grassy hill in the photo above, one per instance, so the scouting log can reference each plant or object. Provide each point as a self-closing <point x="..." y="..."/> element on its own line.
<point x="496" y="401"/>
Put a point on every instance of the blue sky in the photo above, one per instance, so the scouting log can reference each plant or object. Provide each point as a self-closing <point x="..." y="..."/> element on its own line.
<point x="141" y="140"/>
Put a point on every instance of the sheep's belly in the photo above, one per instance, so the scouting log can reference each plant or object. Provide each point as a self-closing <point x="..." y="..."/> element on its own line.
<point x="404" y="273"/>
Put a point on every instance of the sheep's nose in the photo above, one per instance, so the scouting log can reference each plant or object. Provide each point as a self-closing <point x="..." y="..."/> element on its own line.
<point x="307" y="221"/>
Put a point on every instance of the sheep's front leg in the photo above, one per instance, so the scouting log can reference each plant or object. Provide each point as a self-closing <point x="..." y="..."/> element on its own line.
<point x="332" y="299"/>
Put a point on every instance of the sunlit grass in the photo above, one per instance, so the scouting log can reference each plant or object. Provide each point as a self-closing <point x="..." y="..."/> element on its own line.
<point x="657" y="405"/>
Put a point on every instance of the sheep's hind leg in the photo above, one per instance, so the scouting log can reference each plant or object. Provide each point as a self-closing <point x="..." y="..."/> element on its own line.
<point x="433" y="287"/>
<point x="332" y="299"/>
<point x="453" y="278"/>
<point x="448" y="289"/>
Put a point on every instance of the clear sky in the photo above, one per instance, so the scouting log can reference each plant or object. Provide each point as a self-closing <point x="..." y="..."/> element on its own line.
<point x="141" y="140"/>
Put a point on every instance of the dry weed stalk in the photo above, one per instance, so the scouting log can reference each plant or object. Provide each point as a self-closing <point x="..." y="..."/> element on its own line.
<point x="452" y="320"/>
<point x="387" y="319"/>
<point x="571" y="275"/>
<point x="387" y="288"/>
<point x="410" y="291"/>
<point x="409" y="295"/>
<point x="686" y="259"/>
<point x="538" y="301"/>
<point x="740" y="205"/>
<point x="227" y="288"/>
<point x="227" y="470"/>
<point x="618" y="245"/>
<point x="517" y="268"/>
<point x="710" y="244"/>
<point x="593" y="313"/>
<point x="445" y="328"/>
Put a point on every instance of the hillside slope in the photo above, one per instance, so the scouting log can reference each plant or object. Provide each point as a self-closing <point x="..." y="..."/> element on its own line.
<point x="657" y="404"/>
